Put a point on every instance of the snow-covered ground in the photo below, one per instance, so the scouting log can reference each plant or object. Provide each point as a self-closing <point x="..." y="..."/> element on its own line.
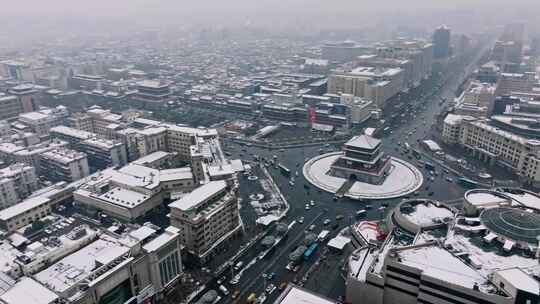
<point x="403" y="179"/>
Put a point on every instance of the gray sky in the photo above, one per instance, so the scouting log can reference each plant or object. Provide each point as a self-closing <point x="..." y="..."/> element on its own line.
<point x="227" y="12"/>
<point x="185" y="7"/>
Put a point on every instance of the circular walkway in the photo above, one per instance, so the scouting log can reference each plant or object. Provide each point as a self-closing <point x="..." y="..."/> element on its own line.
<point x="403" y="179"/>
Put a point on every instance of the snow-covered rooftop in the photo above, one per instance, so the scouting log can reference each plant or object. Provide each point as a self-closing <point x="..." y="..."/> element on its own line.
<point x="77" y="266"/>
<point x="296" y="295"/>
<point x="28" y="291"/>
<point x="363" y="142"/>
<point x="199" y="195"/>
<point x="440" y="264"/>
<point x="22" y="207"/>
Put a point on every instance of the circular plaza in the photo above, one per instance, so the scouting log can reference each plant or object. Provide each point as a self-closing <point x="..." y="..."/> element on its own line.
<point x="402" y="178"/>
<point x="520" y="225"/>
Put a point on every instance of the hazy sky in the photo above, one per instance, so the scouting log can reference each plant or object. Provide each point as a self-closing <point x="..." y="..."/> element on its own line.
<point x="65" y="14"/>
<point x="187" y="7"/>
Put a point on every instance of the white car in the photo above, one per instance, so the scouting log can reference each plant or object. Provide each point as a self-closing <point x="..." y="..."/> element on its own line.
<point x="270" y="288"/>
<point x="327" y="221"/>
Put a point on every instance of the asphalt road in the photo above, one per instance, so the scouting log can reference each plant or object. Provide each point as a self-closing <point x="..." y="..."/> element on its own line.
<point x="417" y="123"/>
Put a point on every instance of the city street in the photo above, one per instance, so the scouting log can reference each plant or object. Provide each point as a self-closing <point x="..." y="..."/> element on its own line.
<point x="414" y="124"/>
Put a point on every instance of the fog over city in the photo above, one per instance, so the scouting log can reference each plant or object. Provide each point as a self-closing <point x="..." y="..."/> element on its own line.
<point x="269" y="152"/>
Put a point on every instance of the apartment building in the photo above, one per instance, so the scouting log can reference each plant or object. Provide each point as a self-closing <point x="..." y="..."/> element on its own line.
<point x="477" y="100"/>
<point x="495" y="145"/>
<point x="207" y="217"/>
<point x="64" y="165"/>
<point x="515" y="82"/>
<point x="16" y="182"/>
<point x="10" y="107"/>
<point x="377" y="84"/>
<point x="26" y="95"/>
<point x="102" y="153"/>
<point x="40" y="122"/>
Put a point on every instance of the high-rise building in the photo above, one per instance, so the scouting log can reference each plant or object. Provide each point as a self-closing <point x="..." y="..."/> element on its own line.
<point x="441" y="42"/>
<point x="207" y="217"/>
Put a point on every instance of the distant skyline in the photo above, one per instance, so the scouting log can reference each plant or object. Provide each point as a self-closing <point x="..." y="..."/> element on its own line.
<point x="38" y="19"/>
<point x="245" y="8"/>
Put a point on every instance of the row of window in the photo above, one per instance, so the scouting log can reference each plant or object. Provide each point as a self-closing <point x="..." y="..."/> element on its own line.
<point x="169" y="268"/>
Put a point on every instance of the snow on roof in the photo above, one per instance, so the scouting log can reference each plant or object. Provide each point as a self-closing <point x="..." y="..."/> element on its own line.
<point x="491" y="260"/>
<point x="267" y="219"/>
<point x="369" y="131"/>
<point x="77" y="266"/>
<point x="453" y="119"/>
<point x="28" y="291"/>
<point x="199" y="195"/>
<point x="364" y="142"/>
<point x="520" y="280"/>
<point x="22" y="207"/>
<point x="163" y="239"/>
<point x="124" y="197"/>
<point x="433" y="146"/>
<point x="296" y="295"/>
<point x="152" y="157"/>
<point x="17" y="239"/>
<point x="339" y="242"/>
<point x="175" y="174"/>
<point x="72" y="132"/>
<point x="33" y="116"/>
<point x="220" y="170"/>
<point x="440" y="264"/>
<point x="525" y="198"/>
<point x="142" y="233"/>
<point x="484" y="197"/>
<point x="237" y="165"/>
<point x="427" y="214"/>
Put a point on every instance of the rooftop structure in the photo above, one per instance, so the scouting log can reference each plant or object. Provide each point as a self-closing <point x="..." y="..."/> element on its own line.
<point x="362" y="171"/>
<point x="64" y="276"/>
<point x="28" y="291"/>
<point x="451" y="256"/>
<point x="362" y="160"/>
<point x="294" y="295"/>
<point x="132" y="190"/>
<point x="420" y="215"/>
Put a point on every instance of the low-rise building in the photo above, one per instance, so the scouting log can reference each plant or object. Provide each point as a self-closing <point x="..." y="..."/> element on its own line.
<point x="141" y="264"/>
<point x="132" y="191"/>
<point x="430" y="254"/>
<point x="293" y="294"/>
<point x="24" y="213"/>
